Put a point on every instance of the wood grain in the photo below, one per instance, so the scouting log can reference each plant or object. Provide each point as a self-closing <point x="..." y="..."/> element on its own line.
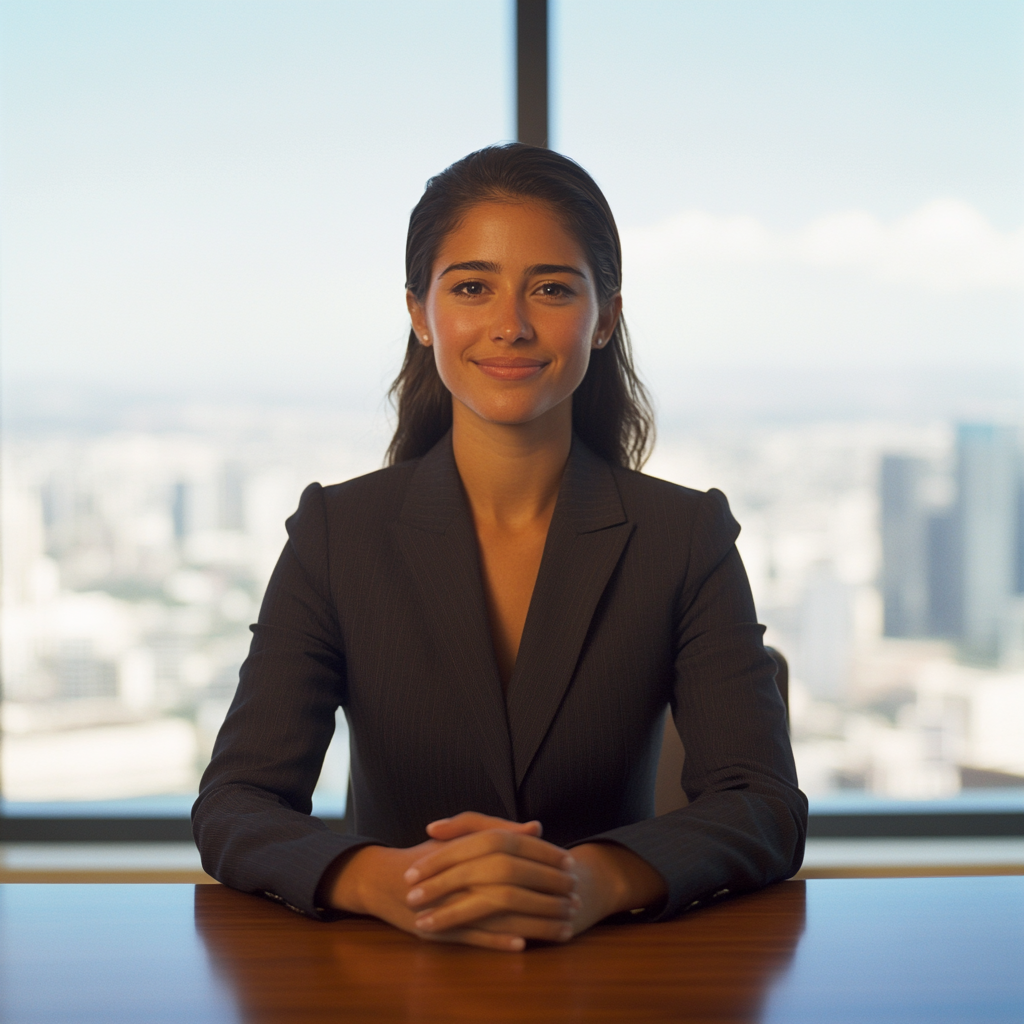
<point x="860" y="951"/>
<point x="713" y="964"/>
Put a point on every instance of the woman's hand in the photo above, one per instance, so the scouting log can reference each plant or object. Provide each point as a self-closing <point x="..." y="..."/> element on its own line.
<point x="492" y="882"/>
<point x="609" y="879"/>
<point x="372" y="881"/>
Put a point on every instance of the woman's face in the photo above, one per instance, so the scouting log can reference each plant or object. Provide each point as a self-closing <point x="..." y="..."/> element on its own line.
<point x="512" y="313"/>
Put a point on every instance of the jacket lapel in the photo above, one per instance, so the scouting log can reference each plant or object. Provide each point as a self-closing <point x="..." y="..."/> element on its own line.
<point x="436" y="536"/>
<point x="586" y="538"/>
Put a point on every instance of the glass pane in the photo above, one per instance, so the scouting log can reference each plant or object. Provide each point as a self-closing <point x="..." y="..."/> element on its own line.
<point x="821" y="209"/>
<point x="204" y="210"/>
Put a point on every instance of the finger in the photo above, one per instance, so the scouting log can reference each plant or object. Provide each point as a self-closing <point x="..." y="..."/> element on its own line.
<point x="543" y="929"/>
<point x="479" y="844"/>
<point x="471" y="821"/>
<point x="481" y="938"/>
<point x="496" y="869"/>
<point x="478" y="905"/>
<point x="524" y="926"/>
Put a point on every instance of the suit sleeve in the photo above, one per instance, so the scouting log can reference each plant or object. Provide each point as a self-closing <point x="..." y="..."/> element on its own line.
<point x="746" y="821"/>
<point x="252" y="821"/>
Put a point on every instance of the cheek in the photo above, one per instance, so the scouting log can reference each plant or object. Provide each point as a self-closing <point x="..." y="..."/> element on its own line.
<point x="575" y="341"/>
<point x="577" y="365"/>
<point x="452" y="330"/>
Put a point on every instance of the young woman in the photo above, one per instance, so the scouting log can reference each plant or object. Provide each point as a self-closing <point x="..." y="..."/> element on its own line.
<point x="505" y="613"/>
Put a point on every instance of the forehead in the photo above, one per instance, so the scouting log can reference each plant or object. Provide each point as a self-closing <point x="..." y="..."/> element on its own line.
<point x="510" y="228"/>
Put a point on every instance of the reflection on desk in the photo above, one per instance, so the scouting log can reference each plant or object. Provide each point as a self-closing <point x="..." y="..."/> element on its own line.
<point x="946" y="950"/>
<point x="716" y="964"/>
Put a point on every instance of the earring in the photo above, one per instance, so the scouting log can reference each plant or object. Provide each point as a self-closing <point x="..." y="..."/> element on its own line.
<point x="598" y="342"/>
<point x="426" y="337"/>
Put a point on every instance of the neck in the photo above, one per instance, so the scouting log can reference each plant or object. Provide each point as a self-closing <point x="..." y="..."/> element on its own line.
<point x="511" y="473"/>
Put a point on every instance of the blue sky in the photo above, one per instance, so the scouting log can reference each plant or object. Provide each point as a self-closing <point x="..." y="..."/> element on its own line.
<point x="786" y="109"/>
<point x="210" y="198"/>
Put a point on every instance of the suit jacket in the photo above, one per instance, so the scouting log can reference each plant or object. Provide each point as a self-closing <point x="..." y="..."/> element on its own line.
<point x="377" y="605"/>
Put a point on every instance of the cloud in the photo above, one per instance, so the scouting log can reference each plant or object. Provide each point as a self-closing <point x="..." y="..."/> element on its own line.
<point x="946" y="245"/>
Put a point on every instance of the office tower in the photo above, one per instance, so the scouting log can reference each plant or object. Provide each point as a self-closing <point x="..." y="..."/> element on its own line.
<point x="945" y="575"/>
<point x="988" y="481"/>
<point x="905" y="554"/>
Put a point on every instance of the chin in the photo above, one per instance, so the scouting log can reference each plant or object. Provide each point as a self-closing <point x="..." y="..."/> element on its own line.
<point x="510" y="417"/>
<point x="514" y="410"/>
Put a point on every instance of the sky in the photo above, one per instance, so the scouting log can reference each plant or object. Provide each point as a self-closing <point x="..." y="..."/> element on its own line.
<point x="208" y="199"/>
<point x="807" y="188"/>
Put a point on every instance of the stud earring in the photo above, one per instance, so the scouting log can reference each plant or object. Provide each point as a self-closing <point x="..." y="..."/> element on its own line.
<point x="426" y="337"/>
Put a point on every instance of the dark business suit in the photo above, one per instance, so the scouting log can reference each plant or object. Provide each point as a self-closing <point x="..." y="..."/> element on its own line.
<point x="377" y="605"/>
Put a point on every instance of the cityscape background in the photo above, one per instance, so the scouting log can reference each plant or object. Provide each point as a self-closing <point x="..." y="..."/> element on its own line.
<point x="885" y="558"/>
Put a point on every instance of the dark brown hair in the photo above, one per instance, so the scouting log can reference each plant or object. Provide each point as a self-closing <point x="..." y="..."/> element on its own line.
<point x="611" y="411"/>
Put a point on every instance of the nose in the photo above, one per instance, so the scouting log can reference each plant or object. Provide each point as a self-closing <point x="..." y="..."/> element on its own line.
<point x="511" y="321"/>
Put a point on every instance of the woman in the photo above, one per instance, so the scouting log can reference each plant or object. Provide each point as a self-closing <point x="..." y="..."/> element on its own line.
<point x="504" y="614"/>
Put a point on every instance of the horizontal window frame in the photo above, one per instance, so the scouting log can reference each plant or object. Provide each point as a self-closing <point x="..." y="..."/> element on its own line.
<point x="860" y="825"/>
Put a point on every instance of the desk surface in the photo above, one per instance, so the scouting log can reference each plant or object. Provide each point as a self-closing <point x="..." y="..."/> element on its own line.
<point x="948" y="950"/>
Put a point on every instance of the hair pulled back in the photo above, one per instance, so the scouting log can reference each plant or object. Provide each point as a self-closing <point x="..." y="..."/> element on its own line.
<point x="611" y="411"/>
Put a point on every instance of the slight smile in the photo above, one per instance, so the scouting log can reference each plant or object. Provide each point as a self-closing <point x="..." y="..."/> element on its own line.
<point x="510" y="368"/>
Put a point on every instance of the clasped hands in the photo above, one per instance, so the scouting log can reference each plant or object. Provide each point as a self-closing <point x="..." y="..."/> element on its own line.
<point x="494" y="883"/>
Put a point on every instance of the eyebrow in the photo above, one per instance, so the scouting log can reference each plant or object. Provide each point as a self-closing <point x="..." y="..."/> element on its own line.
<point x="553" y="268"/>
<point x="483" y="266"/>
<point x="487" y="267"/>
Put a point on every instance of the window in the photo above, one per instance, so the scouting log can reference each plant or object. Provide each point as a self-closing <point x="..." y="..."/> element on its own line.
<point x="821" y="209"/>
<point x="204" y="209"/>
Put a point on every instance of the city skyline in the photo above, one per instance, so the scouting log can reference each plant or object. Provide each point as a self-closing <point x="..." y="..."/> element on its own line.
<point x="135" y="560"/>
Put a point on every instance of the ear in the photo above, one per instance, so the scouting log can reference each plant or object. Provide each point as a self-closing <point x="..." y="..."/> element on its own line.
<point x="418" y="315"/>
<point x="607" y="321"/>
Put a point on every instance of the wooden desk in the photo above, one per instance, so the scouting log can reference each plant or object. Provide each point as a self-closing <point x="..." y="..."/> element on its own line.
<point x="947" y="950"/>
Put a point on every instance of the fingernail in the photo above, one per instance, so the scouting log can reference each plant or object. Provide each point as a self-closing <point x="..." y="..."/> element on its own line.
<point x="425" y="924"/>
<point x="568" y="862"/>
<point x="518" y="944"/>
<point x="412" y="875"/>
<point x="574" y="899"/>
<point x="440" y="821"/>
<point x="566" y="933"/>
<point x="415" y="896"/>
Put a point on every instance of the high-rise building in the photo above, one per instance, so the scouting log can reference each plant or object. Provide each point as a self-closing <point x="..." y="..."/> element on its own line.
<point x="905" y="548"/>
<point x="955" y="572"/>
<point x="945" y="575"/>
<point x="988" y="482"/>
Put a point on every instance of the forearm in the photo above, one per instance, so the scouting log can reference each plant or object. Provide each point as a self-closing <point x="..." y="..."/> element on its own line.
<point x="613" y="879"/>
<point x="353" y="882"/>
<point x="735" y="841"/>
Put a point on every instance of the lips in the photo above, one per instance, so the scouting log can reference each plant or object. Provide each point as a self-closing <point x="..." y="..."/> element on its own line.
<point x="510" y="368"/>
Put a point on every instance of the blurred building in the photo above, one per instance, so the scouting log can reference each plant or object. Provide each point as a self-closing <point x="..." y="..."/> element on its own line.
<point x="956" y="572"/>
<point x="988" y="486"/>
<point x="905" y="547"/>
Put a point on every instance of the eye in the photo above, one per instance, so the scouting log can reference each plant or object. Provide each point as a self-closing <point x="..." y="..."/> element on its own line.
<point x="469" y="288"/>
<point x="554" y="290"/>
